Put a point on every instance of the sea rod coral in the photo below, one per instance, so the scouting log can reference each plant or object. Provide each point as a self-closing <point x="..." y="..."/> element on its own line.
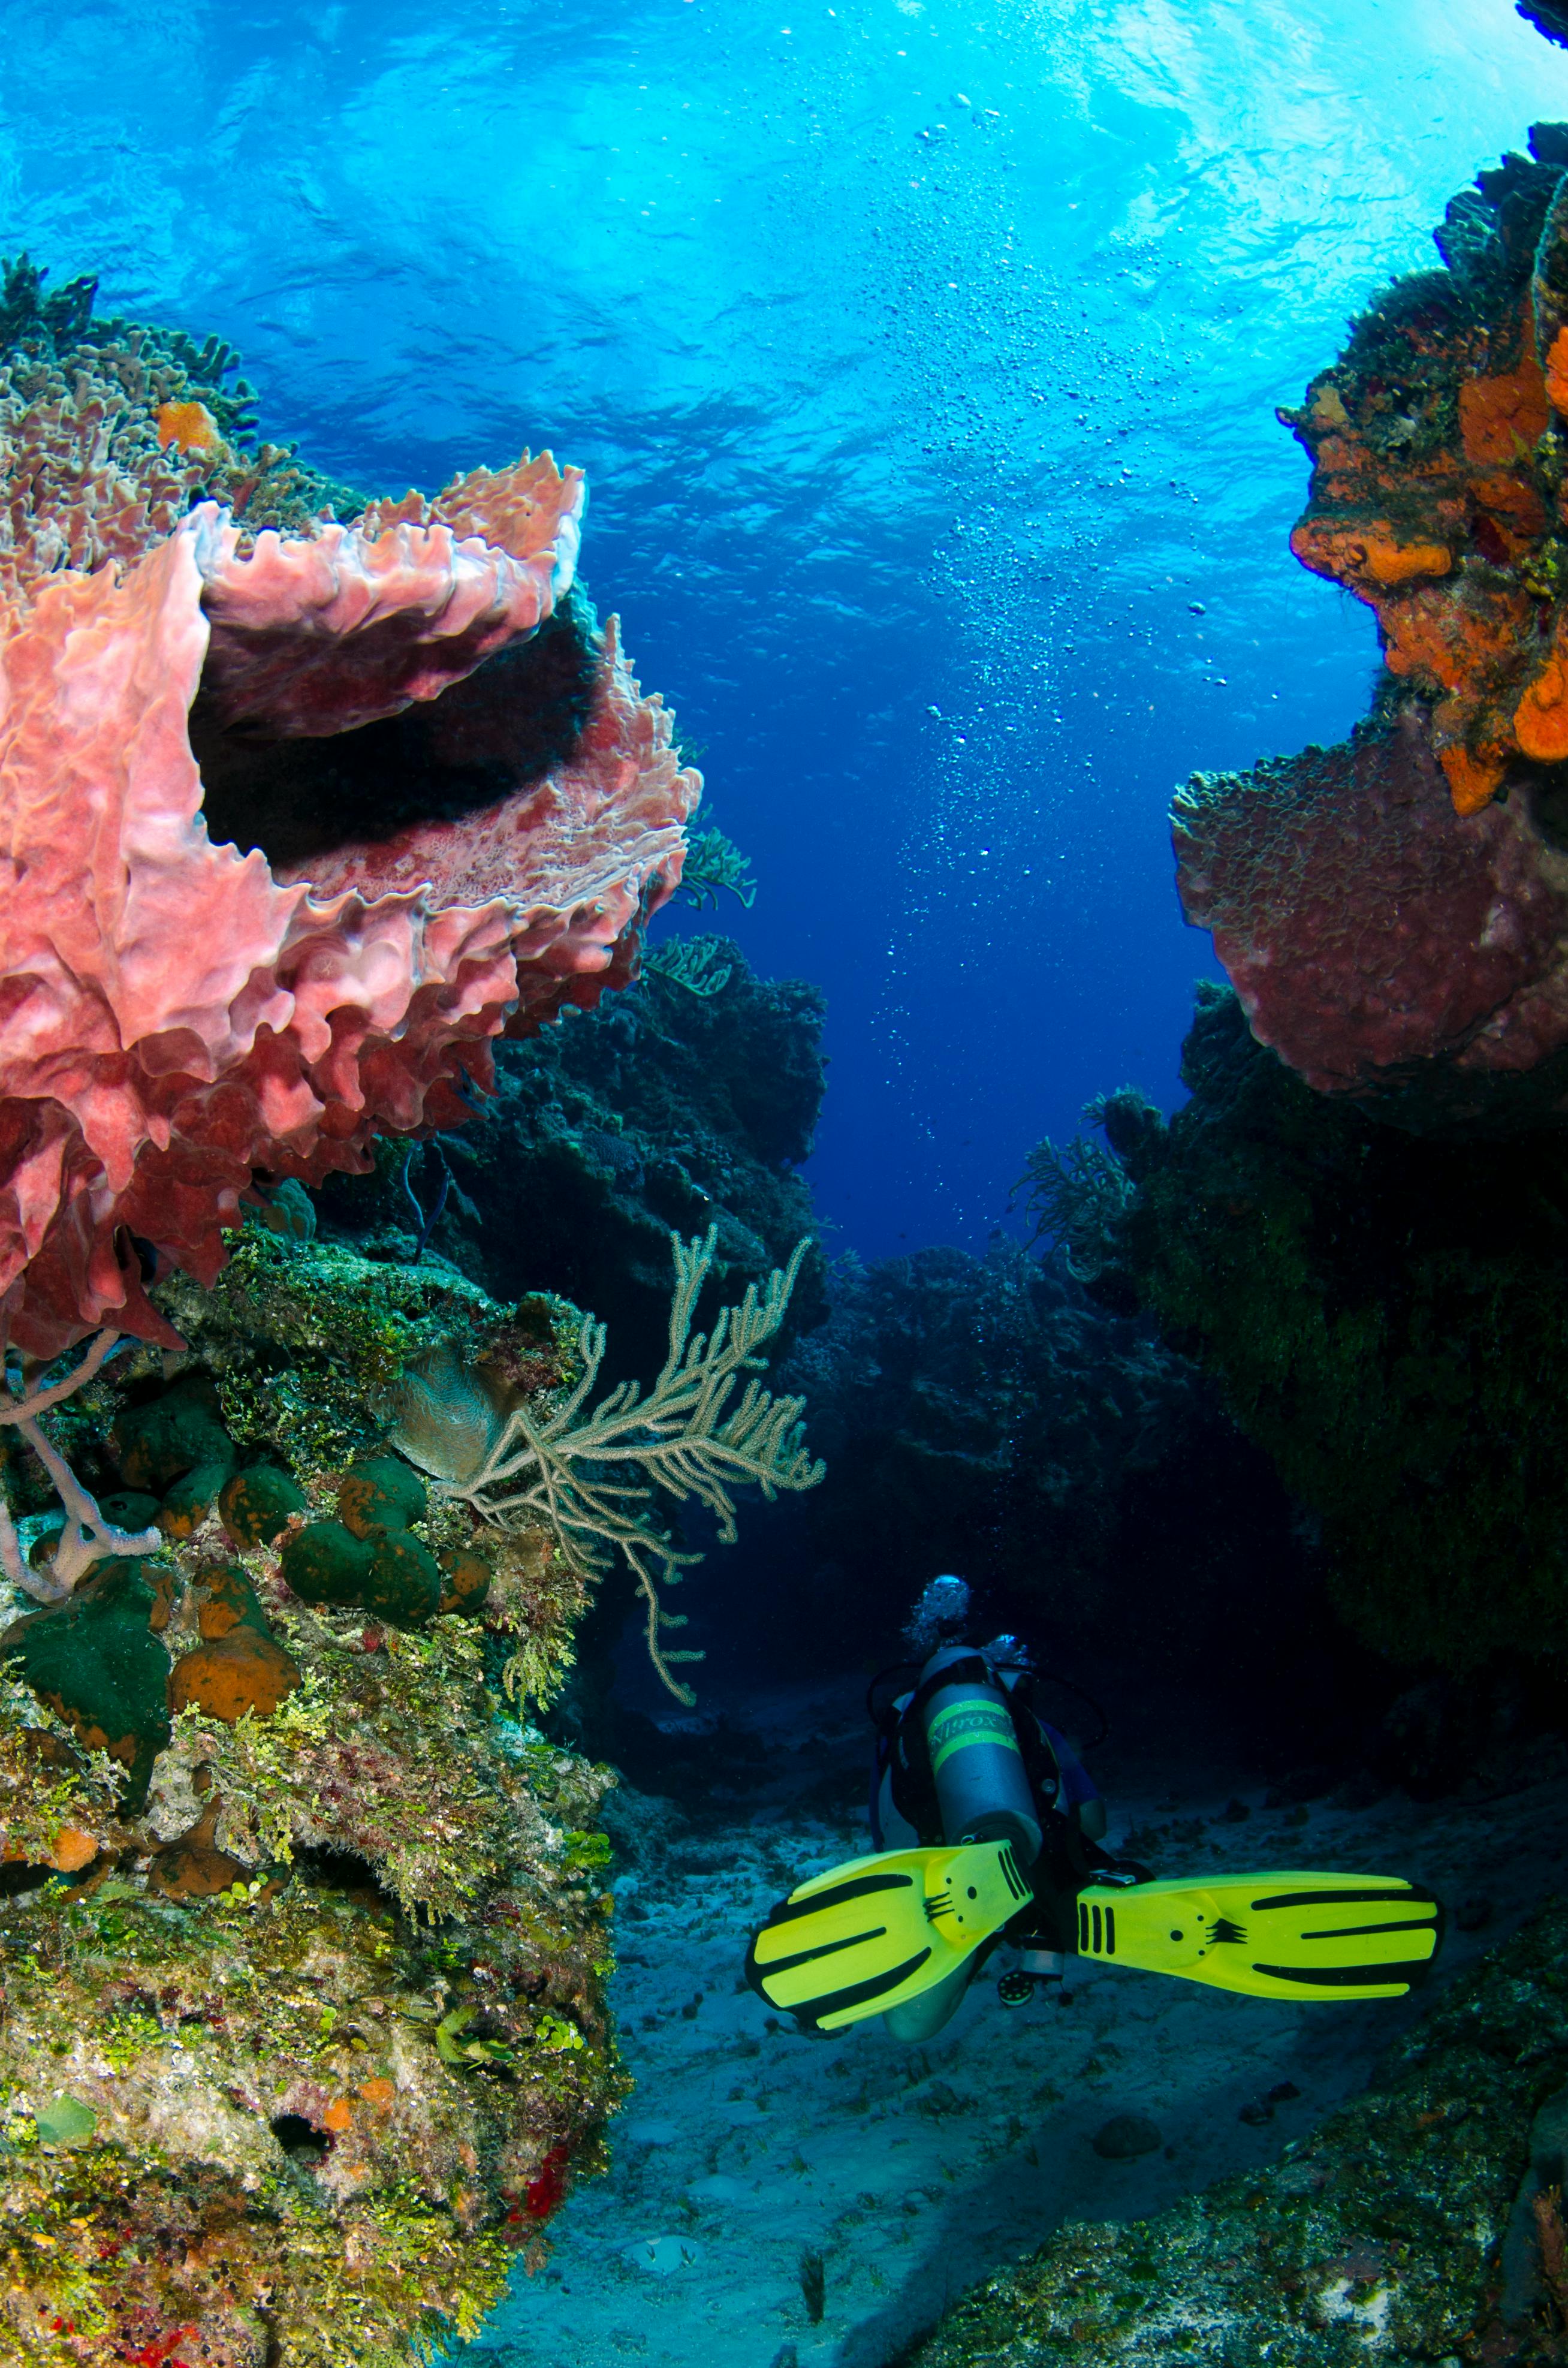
<point x="485" y="848"/>
<point x="685" y="1435"/>
<point x="84" y="1536"/>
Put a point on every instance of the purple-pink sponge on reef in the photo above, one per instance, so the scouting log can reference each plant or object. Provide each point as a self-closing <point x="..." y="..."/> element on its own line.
<point x="1369" y="930"/>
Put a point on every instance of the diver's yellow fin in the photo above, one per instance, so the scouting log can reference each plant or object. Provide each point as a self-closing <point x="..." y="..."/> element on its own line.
<point x="875" y="1931"/>
<point x="1328" y="1937"/>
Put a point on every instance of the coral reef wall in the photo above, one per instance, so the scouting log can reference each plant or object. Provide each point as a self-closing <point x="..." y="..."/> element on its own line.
<point x="305" y="801"/>
<point x="1394" y="912"/>
<point x="305" y="1936"/>
<point x="986" y="1416"/>
<point x="1388" y="1318"/>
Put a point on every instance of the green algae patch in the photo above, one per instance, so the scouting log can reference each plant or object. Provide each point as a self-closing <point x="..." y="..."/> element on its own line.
<point x="307" y="1341"/>
<point x="64" y="2121"/>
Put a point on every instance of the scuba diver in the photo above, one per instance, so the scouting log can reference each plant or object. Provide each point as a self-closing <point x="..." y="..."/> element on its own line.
<point x="987" y="1829"/>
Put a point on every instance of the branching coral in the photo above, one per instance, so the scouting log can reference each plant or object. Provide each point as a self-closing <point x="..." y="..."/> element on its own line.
<point x="86" y="1536"/>
<point x="1076" y="1198"/>
<point x="684" y="1436"/>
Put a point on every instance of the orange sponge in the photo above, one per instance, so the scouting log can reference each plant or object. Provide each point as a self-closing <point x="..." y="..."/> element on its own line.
<point x="189" y="426"/>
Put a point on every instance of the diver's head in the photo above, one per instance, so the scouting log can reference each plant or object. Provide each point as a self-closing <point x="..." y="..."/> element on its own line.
<point x="939" y="1615"/>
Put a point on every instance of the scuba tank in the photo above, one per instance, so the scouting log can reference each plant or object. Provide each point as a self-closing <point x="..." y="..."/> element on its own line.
<point x="1005" y="1773"/>
<point x="982" y="1786"/>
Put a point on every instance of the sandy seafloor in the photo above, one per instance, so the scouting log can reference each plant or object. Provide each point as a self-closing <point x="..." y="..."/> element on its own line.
<point x="915" y="2171"/>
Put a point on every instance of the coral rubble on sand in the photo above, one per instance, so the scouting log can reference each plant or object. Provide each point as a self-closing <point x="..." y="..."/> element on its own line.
<point x="303" y="1941"/>
<point x="1406" y="2229"/>
<point x="1394" y="912"/>
<point x="505" y="814"/>
<point x="1374" y="1328"/>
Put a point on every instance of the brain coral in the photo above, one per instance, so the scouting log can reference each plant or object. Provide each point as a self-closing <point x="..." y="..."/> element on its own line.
<point x="291" y="823"/>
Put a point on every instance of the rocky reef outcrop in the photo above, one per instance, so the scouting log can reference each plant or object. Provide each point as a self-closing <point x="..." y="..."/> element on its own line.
<point x="306" y="800"/>
<point x="303" y="1935"/>
<point x="1386" y="1316"/>
<point x="1394" y="912"/>
<point x="661" y="1109"/>
<point x="1422" y="2223"/>
<point x="301" y="1917"/>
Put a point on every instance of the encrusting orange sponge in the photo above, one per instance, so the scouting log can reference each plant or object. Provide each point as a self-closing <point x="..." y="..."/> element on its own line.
<point x="189" y="426"/>
<point x="1437" y="445"/>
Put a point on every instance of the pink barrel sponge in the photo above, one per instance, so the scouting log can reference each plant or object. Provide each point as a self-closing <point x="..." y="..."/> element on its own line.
<point x="1381" y="944"/>
<point x="177" y="1014"/>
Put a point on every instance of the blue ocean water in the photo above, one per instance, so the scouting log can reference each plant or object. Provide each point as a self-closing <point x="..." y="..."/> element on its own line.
<point x="923" y="358"/>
